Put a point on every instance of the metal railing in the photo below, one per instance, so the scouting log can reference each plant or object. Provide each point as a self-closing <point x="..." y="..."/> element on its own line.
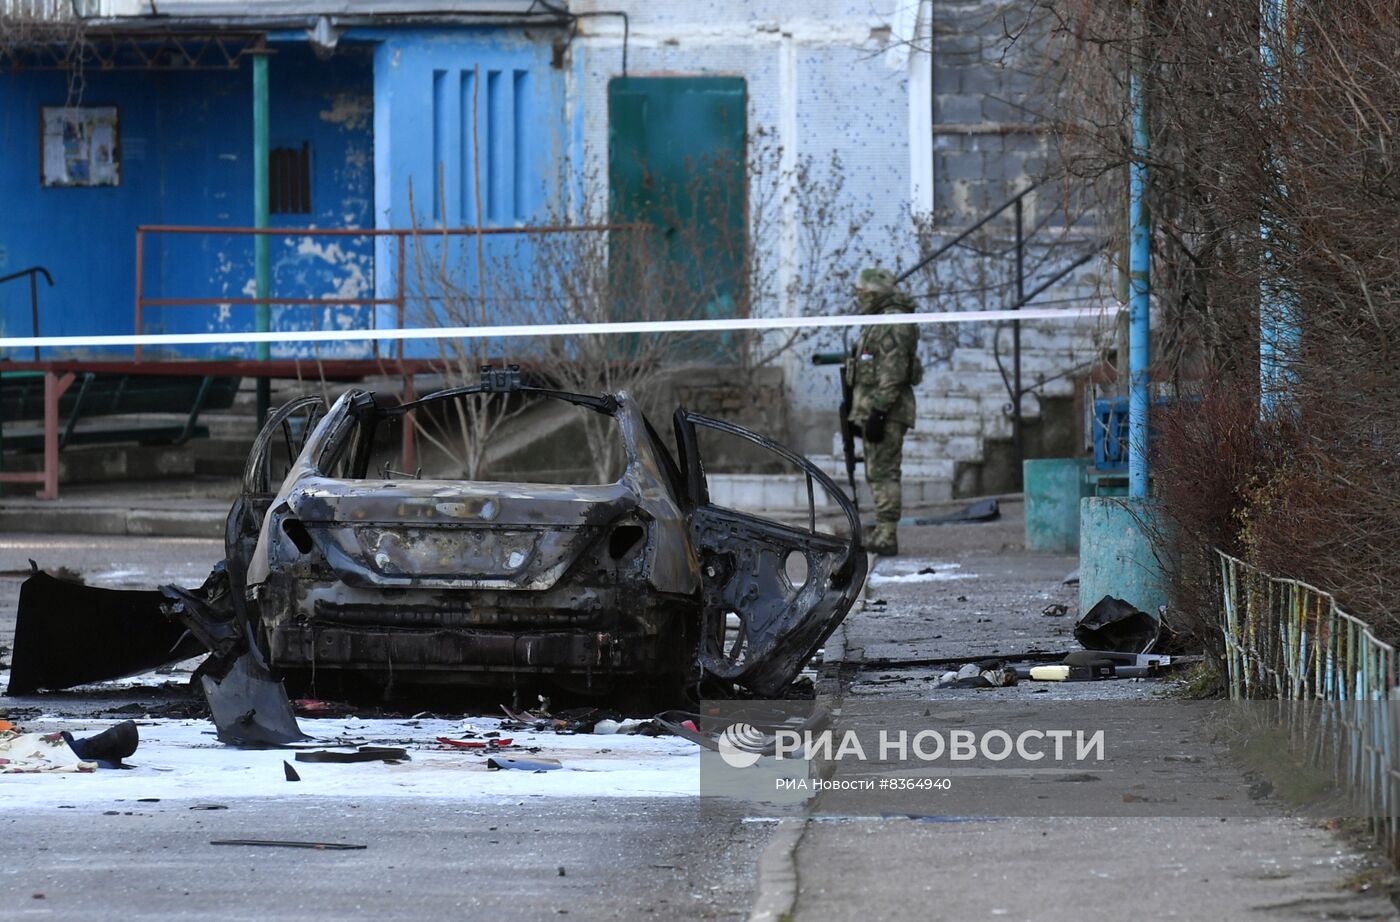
<point x="1015" y="388"/>
<point x="397" y="298"/>
<point x="33" y="272"/>
<point x="1290" y="642"/>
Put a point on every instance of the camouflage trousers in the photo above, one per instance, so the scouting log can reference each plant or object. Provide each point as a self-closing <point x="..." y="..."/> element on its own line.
<point x="883" y="459"/>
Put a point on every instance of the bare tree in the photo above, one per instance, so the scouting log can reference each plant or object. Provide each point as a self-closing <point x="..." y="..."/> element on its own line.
<point x="1274" y="199"/>
<point x="678" y="264"/>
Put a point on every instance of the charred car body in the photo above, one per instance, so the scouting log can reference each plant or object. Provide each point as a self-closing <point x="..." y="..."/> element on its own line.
<point x="623" y="587"/>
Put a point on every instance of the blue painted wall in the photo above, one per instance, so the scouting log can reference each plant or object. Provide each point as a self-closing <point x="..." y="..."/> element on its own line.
<point x="186" y="143"/>
<point x="387" y="107"/>
<point x="431" y="166"/>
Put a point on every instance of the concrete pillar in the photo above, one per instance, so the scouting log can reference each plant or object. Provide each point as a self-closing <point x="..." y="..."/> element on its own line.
<point x="1116" y="553"/>
<point x="1053" y="489"/>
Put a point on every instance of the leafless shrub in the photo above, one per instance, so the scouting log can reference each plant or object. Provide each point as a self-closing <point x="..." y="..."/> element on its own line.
<point x="49" y="25"/>
<point x="795" y="249"/>
<point x="1274" y="191"/>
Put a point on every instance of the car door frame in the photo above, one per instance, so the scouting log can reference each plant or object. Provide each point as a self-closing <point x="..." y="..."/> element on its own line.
<point x="743" y="570"/>
<point x="257" y="491"/>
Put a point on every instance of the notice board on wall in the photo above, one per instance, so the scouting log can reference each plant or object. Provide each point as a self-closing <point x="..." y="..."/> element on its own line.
<point x="81" y="146"/>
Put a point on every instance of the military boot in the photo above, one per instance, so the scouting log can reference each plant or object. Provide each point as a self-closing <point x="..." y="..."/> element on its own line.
<point x="884" y="541"/>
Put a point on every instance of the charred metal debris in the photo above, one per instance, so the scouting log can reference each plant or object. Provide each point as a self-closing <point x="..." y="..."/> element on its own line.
<point x="342" y="571"/>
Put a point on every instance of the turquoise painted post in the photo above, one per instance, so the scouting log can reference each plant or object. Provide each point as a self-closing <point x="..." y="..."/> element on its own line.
<point x="1140" y="280"/>
<point x="1053" y="489"/>
<point x="262" y="262"/>
<point x="1118" y="553"/>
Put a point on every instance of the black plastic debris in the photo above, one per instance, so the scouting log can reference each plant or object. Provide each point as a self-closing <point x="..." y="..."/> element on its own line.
<point x="290" y="772"/>
<point x="283" y="843"/>
<point x="984" y="510"/>
<point x="1115" y="625"/>
<point x="107" y="748"/>
<point x="68" y="634"/>
<point x="248" y="704"/>
<point x="363" y="754"/>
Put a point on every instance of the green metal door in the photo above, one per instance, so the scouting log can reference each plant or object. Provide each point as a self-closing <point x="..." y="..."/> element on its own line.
<point x="676" y="162"/>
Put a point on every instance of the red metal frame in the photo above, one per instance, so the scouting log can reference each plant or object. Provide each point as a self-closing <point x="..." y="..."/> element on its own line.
<point x="55" y="383"/>
<point x="59" y="374"/>
<point x="401" y="235"/>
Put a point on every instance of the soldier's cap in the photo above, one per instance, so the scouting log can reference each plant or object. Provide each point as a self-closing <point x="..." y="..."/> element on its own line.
<point x="877" y="280"/>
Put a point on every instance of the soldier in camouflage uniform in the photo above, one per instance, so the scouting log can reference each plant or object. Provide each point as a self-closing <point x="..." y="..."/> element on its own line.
<point x="884" y="368"/>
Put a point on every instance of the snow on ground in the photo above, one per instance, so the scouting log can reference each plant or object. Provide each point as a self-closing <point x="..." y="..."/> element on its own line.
<point x="181" y="759"/>
<point x="892" y="570"/>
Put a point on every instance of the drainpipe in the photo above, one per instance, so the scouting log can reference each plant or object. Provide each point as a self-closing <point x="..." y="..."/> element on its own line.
<point x="262" y="265"/>
<point x="1140" y="286"/>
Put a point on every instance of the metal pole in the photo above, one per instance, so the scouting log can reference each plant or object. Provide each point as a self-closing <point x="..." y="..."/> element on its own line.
<point x="400" y="306"/>
<point x="262" y="263"/>
<point x="34" y="308"/>
<point x="140" y="286"/>
<point x="1140" y="283"/>
<point x="1017" y="434"/>
<point x="1279" y="330"/>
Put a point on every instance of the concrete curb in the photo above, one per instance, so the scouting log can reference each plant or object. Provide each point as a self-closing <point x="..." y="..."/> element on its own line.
<point x="775" y="891"/>
<point x="79" y="520"/>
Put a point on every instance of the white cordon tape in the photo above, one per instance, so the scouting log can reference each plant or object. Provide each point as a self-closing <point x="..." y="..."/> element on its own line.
<point x="553" y="329"/>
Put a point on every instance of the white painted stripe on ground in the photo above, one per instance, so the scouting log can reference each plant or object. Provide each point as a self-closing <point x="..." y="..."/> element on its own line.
<point x="553" y="329"/>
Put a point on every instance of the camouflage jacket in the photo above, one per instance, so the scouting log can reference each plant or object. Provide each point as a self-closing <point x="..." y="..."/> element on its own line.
<point x="884" y="367"/>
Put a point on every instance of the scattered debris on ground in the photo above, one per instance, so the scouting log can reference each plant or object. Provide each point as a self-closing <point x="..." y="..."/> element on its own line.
<point x="281" y="843"/>
<point x="26" y="753"/>
<point x="985" y="510"/>
<point x="497" y="763"/>
<point x="1113" y="624"/>
<point x="985" y="674"/>
<point x="387" y="754"/>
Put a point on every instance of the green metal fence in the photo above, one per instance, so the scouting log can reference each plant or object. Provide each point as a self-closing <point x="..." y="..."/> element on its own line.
<point x="1290" y="642"/>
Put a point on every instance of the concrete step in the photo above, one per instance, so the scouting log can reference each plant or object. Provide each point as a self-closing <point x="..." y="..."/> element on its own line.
<point x="99" y="463"/>
<point x="221" y="456"/>
<point x="943" y="381"/>
<point x="957" y="406"/>
<point x="927" y="446"/>
<point x="60" y="517"/>
<point x="1033" y="362"/>
<point x="231" y="425"/>
<point x="922" y="468"/>
<point x="759" y="492"/>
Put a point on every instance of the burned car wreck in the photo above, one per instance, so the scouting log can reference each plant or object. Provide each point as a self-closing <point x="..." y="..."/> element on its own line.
<point x="339" y="570"/>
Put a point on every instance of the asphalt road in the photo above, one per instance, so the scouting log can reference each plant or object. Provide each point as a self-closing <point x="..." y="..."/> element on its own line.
<point x="662" y="857"/>
<point x="1172" y="827"/>
<point x="647" y="857"/>
<point x="540" y="859"/>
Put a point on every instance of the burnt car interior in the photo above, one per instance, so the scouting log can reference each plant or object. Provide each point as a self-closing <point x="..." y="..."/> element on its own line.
<point x="342" y="568"/>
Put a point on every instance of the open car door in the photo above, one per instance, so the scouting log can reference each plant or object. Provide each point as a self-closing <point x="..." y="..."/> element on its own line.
<point x="788" y="586"/>
<point x="274" y="451"/>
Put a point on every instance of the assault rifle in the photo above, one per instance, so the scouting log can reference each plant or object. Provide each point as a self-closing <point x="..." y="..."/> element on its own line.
<point x="849" y="430"/>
